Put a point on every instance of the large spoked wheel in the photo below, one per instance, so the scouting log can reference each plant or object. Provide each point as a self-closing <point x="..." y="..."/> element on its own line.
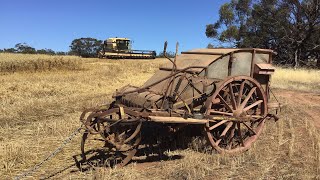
<point x="114" y="145"/>
<point x="240" y="104"/>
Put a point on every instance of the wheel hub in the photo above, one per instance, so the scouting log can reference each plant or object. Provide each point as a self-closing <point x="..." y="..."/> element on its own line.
<point x="237" y="113"/>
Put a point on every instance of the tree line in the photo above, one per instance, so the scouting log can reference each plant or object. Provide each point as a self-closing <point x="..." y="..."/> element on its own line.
<point x="84" y="47"/>
<point x="24" y="48"/>
<point x="290" y="27"/>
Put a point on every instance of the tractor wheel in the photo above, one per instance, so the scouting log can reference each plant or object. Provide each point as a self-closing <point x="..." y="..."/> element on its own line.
<point x="241" y="104"/>
<point x="114" y="145"/>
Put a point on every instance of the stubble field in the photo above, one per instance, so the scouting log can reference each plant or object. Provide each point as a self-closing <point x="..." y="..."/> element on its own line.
<point x="42" y="97"/>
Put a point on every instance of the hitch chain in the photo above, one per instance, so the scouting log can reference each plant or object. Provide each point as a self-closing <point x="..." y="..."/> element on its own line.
<point x="54" y="153"/>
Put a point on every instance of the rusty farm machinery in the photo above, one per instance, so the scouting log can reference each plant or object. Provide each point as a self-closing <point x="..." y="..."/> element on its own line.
<point x="222" y="92"/>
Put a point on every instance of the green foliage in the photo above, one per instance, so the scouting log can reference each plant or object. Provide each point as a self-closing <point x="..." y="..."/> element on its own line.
<point x="24" y="48"/>
<point x="169" y="54"/>
<point x="211" y="30"/>
<point x="230" y="34"/>
<point x="210" y="46"/>
<point x="60" y="53"/>
<point x="290" y="27"/>
<point x="10" y="50"/>
<point x="46" y="51"/>
<point x="85" y="47"/>
<point x="226" y="14"/>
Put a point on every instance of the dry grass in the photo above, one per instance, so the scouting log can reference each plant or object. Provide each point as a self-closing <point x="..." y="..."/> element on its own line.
<point x="297" y="79"/>
<point x="28" y="97"/>
<point x="11" y="63"/>
<point x="40" y="109"/>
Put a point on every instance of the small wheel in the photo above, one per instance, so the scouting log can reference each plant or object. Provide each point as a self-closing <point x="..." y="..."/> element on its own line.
<point x="240" y="104"/>
<point x="115" y="145"/>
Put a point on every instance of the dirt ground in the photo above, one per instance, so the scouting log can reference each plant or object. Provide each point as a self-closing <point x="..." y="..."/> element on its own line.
<point x="309" y="102"/>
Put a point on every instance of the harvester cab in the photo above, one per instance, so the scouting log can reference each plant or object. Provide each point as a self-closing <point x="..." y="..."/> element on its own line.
<point x="117" y="44"/>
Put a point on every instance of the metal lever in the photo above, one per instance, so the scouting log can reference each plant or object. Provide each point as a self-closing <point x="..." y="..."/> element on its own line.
<point x="165" y="48"/>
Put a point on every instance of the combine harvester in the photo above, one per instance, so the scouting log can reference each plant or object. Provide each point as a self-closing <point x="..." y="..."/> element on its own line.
<point x="120" y="48"/>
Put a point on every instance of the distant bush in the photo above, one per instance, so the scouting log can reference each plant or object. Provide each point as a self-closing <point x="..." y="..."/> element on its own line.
<point x="85" y="47"/>
<point x="169" y="54"/>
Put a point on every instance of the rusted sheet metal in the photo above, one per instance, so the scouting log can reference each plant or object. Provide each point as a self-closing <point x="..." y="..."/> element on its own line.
<point x="205" y="57"/>
<point x="186" y="60"/>
<point x="229" y="50"/>
<point x="213" y="51"/>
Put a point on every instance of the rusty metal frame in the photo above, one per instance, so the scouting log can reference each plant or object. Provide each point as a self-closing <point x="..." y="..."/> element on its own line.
<point x="220" y="106"/>
<point x="159" y="81"/>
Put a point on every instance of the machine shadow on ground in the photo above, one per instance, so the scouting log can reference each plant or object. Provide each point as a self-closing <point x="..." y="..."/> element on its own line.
<point x="149" y="151"/>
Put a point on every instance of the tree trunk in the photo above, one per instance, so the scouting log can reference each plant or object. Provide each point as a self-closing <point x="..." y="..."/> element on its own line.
<point x="296" y="62"/>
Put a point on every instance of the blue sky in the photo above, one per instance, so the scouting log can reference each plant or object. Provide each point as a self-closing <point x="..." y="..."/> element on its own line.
<point x="55" y="23"/>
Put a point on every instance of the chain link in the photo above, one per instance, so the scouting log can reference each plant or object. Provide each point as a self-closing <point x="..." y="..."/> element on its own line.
<point x="54" y="153"/>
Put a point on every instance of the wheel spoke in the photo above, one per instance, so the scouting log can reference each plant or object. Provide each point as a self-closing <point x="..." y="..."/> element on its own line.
<point x="247" y="98"/>
<point x="233" y="100"/>
<point x="217" y="125"/>
<point x="220" y="112"/>
<point x="249" y="128"/>
<point x="120" y="136"/>
<point x="240" y="93"/>
<point x="252" y="105"/>
<point x="224" y="132"/>
<point x="225" y="103"/>
<point x="230" y="143"/>
<point x="253" y="116"/>
<point x="239" y="132"/>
